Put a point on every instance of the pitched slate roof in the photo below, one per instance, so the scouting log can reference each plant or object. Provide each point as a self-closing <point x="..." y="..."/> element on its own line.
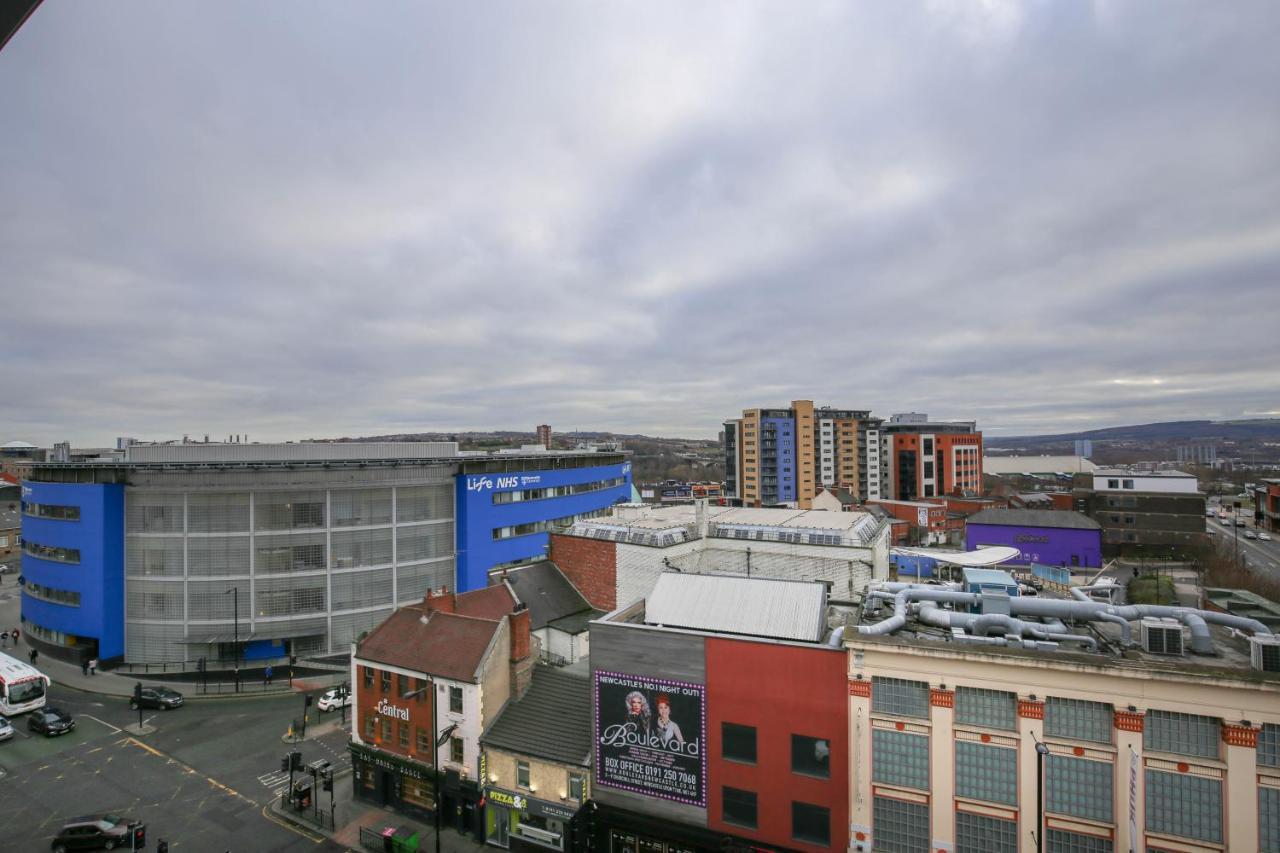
<point x="547" y="592"/>
<point x="551" y="721"/>
<point x="1035" y="518"/>
<point x="449" y="645"/>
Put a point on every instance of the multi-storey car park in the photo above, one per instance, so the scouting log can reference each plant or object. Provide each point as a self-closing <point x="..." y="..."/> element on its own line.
<point x="172" y="553"/>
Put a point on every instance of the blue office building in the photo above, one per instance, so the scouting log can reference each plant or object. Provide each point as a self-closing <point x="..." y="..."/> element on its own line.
<point x="218" y="551"/>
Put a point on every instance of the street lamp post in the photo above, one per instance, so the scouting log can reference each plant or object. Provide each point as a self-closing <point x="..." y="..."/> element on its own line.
<point x="1041" y="751"/>
<point x="437" y="739"/>
<point x="235" y="599"/>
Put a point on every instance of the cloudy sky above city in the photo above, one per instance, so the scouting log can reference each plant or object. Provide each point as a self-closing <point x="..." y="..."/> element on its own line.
<point x="322" y="219"/>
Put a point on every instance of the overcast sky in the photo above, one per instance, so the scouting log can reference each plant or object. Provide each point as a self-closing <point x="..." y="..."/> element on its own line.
<point x="318" y="219"/>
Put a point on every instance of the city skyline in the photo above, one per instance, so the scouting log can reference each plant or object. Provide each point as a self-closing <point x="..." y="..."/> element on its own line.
<point x="312" y="222"/>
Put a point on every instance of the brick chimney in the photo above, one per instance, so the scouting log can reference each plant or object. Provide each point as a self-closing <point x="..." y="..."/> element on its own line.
<point x="442" y="600"/>
<point x="521" y="658"/>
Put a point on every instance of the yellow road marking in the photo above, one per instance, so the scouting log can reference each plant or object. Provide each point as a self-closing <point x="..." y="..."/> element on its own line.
<point x="310" y="836"/>
<point x="191" y="770"/>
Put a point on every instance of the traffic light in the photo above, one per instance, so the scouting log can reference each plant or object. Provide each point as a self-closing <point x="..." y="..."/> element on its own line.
<point x="284" y="763"/>
<point x="139" y="836"/>
<point x="137" y="693"/>
<point x="327" y="783"/>
<point x="295" y="760"/>
<point x="200" y="667"/>
<point x="308" y="700"/>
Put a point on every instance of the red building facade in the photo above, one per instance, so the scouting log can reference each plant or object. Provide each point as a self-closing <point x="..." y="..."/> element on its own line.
<point x="795" y="700"/>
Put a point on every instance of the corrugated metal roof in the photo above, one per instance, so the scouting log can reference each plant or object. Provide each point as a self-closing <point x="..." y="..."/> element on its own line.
<point x="757" y="607"/>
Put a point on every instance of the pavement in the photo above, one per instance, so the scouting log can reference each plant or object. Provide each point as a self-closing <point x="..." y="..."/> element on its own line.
<point x="351" y="815"/>
<point x="342" y="817"/>
<point x="183" y="756"/>
<point x="107" y="683"/>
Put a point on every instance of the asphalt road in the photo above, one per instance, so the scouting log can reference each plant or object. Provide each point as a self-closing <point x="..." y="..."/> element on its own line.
<point x="1261" y="556"/>
<point x="201" y="780"/>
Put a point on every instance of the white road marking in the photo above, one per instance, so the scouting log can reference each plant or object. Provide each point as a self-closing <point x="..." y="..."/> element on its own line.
<point x="103" y="722"/>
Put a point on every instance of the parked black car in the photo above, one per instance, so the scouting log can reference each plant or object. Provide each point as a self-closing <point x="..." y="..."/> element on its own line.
<point x="50" y="721"/>
<point x="94" y="832"/>
<point x="158" y="697"/>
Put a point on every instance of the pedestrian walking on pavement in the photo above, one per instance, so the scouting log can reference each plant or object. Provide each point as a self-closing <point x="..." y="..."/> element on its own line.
<point x="4" y="638"/>
<point x="84" y="666"/>
<point x="93" y="666"/>
<point x="34" y="654"/>
<point x="15" y="636"/>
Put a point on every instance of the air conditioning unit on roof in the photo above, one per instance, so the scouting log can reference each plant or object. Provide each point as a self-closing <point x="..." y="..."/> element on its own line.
<point x="1162" y="636"/>
<point x="1264" y="652"/>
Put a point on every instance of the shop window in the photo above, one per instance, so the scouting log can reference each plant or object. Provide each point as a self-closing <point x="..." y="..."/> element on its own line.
<point x="738" y="743"/>
<point x="810" y="756"/>
<point x="811" y="823"/>
<point x="739" y="807"/>
<point x="455" y="700"/>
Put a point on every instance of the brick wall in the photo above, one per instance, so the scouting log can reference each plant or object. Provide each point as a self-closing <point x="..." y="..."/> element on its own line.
<point x="591" y="565"/>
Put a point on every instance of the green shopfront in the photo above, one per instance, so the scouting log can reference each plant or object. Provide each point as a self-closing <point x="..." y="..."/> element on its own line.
<point x="520" y="822"/>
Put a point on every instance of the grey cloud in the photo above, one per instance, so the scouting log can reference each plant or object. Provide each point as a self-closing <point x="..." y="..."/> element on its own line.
<point x="305" y="219"/>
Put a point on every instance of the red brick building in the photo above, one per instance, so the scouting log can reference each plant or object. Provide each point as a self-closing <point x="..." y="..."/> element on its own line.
<point x="469" y="653"/>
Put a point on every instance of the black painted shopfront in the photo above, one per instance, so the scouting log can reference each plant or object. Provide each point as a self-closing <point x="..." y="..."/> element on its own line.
<point x="390" y="780"/>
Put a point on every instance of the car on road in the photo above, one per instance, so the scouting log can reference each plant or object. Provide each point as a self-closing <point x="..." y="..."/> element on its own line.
<point x="1249" y="534"/>
<point x="1264" y="536"/>
<point x="1239" y="523"/>
<point x="158" y="697"/>
<point x="335" y="698"/>
<point x="94" y="832"/>
<point x="4" y="568"/>
<point x="50" y="721"/>
<point x="1225" y="522"/>
<point x="6" y="729"/>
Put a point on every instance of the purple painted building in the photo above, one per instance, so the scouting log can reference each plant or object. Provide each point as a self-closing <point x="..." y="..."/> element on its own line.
<point x="1052" y="537"/>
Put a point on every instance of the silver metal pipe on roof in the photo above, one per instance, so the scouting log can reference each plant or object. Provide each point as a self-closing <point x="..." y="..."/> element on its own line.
<point x="912" y="593"/>
<point x="1081" y="608"/>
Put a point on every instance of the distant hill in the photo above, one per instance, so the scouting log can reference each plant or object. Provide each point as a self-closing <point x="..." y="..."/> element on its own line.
<point x="1262" y="429"/>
